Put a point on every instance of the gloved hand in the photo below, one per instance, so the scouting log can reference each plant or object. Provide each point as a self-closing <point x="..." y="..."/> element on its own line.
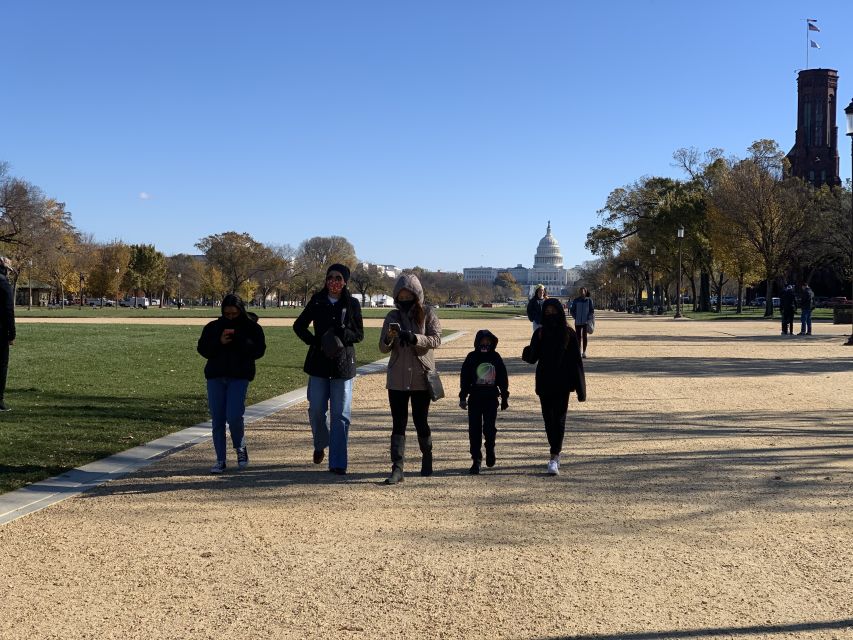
<point x="407" y="337"/>
<point x="504" y="404"/>
<point x="463" y="403"/>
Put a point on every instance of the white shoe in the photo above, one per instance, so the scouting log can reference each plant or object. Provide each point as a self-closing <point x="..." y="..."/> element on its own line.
<point x="554" y="467"/>
<point x="583" y="355"/>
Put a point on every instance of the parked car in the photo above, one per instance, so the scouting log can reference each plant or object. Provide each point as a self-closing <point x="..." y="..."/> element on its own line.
<point x="776" y="303"/>
<point x="139" y="303"/>
<point x="837" y="301"/>
<point x="759" y="302"/>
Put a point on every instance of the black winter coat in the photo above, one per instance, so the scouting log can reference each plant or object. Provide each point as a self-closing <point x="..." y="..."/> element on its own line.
<point x="534" y="309"/>
<point x="236" y="359"/>
<point x="559" y="369"/>
<point x="7" y="310"/>
<point x="342" y="318"/>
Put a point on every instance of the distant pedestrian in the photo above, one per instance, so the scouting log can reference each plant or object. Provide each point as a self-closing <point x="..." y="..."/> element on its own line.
<point x="534" y="306"/>
<point x="582" y="310"/>
<point x="7" y="325"/>
<point x="231" y="344"/>
<point x="789" y="308"/>
<point x="410" y="332"/>
<point x="555" y="351"/>
<point x="482" y="381"/>
<point x="806" y="307"/>
<point x="330" y="364"/>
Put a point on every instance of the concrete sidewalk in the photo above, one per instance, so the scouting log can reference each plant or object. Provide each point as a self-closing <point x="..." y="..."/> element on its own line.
<point x="706" y="491"/>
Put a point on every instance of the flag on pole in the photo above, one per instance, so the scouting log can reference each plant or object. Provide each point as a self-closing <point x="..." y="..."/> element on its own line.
<point x="811" y="19"/>
<point x="813" y="27"/>
<point x="815" y="45"/>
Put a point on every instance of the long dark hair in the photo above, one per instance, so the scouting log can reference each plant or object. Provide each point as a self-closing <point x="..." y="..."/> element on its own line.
<point x="558" y="333"/>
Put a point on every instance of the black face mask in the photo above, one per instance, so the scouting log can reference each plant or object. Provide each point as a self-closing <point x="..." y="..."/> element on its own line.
<point x="551" y="320"/>
<point x="405" y="305"/>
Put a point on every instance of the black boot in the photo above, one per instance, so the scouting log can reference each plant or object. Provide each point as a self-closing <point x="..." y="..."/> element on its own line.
<point x="475" y="467"/>
<point x="490" y="456"/>
<point x="398" y="454"/>
<point x="426" y="455"/>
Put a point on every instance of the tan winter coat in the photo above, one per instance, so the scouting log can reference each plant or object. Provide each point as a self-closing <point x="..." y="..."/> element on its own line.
<point x="409" y="363"/>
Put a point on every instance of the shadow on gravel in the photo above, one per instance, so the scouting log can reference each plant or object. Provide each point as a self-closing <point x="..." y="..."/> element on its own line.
<point x="711" y="632"/>
<point x="795" y="340"/>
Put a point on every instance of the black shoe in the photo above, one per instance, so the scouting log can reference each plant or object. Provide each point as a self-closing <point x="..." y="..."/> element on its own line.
<point x="426" y="464"/>
<point x="3" y="406"/>
<point x="338" y="471"/>
<point x="475" y="468"/>
<point x="490" y="457"/>
<point x="242" y="458"/>
<point x="396" y="475"/>
<point x="319" y="454"/>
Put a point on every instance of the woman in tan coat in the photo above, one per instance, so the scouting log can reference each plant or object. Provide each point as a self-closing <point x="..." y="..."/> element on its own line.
<point x="410" y="332"/>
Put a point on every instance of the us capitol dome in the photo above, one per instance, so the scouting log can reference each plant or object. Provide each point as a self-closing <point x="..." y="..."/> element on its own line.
<point x="547" y="268"/>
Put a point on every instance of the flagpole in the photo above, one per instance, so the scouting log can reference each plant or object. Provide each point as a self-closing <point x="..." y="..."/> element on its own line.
<point x="807" y="43"/>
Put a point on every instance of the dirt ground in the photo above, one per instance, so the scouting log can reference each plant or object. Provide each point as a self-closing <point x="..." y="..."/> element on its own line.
<point x="706" y="491"/>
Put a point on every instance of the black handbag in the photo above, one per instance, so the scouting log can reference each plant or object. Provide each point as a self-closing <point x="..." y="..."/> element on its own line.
<point x="331" y="345"/>
<point x="436" y="389"/>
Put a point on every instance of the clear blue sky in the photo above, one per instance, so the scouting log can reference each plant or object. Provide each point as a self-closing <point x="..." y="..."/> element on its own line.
<point x="443" y="134"/>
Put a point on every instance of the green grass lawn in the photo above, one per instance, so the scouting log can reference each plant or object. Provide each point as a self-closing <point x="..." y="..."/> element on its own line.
<point x="212" y="312"/>
<point x="82" y="392"/>
<point x="752" y="313"/>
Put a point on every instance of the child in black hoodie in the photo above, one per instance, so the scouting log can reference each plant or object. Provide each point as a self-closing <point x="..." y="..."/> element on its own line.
<point x="483" y="378"/>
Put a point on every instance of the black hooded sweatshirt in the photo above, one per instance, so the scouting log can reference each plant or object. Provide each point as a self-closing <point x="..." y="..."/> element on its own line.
<point x="237" y="358"/>
<point x="555" y="351"/>
<point x="484" y="374"/>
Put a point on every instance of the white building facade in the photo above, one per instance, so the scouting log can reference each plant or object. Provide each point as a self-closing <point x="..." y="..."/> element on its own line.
<point x="547" y="268"/>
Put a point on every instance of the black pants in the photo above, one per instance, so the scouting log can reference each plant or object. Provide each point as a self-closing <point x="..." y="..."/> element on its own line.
<point x="399" y="401"/>
<point x="788" y="321"/>
<point x="4" y="366"/>
<point x="554" y="409"/>
<point x="482" y="413"/>
<point x="582" y="335"/>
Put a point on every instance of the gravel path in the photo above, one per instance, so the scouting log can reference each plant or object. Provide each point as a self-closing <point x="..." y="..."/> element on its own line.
<point x="706" y="491"/>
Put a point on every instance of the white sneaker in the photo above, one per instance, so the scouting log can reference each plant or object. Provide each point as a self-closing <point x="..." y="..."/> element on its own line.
<point x="554" y="467"/>
<point x="583" y="355"/>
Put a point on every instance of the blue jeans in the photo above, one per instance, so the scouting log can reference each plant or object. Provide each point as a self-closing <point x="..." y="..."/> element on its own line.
<point x="329" y="410"/>
<point x="806" y="321"/>
<point x="226" y="399"/>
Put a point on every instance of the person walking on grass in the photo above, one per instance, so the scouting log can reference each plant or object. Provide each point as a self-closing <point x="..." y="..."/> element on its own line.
<point x="231" y="344"/>
<point x="582" y="311"/>
<point x="806" y="307"/>
<point x="555" y="351"/>
<point x="482" y="381"/>
<point x="410" y="333"/>
<point x="330" y="364"/>
<point x="7" y="325"/>
<point x="789" y="308"/>
<point x="534" y="306"/>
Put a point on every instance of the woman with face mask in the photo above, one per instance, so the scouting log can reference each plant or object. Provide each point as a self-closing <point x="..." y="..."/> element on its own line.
<point x="410" y="333"/>
<point x="555" y="351"/>
<point x="231" y="344"/>
<point x="330" y="364"/>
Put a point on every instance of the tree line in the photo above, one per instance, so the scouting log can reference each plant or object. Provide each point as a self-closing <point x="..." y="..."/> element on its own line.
<point x="38" y="234"/>
<point x="747" y="223"/>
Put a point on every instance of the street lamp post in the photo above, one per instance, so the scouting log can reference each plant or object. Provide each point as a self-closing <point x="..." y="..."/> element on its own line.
<point x="637" y="292"/>
<point x="30" y="284"/>
<point x="179" y="291"/>
<point x="653" y="297"/>
<point x="849" y="113"/>
<point x="678" y="294"/>
<point x="82" y="278"/>
<point x="118" y="286"/>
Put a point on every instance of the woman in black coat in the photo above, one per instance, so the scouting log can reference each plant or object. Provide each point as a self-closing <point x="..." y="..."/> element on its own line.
<point x="330" y="364"/>
<point x="231" y="344"/>
<point x="555" y="351"/>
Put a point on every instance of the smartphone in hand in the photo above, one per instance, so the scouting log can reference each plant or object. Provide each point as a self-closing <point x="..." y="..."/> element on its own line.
<point x="393" y="327"/>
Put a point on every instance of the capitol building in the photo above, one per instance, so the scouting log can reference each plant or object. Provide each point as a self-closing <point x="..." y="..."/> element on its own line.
<point x="547" y="269"/>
